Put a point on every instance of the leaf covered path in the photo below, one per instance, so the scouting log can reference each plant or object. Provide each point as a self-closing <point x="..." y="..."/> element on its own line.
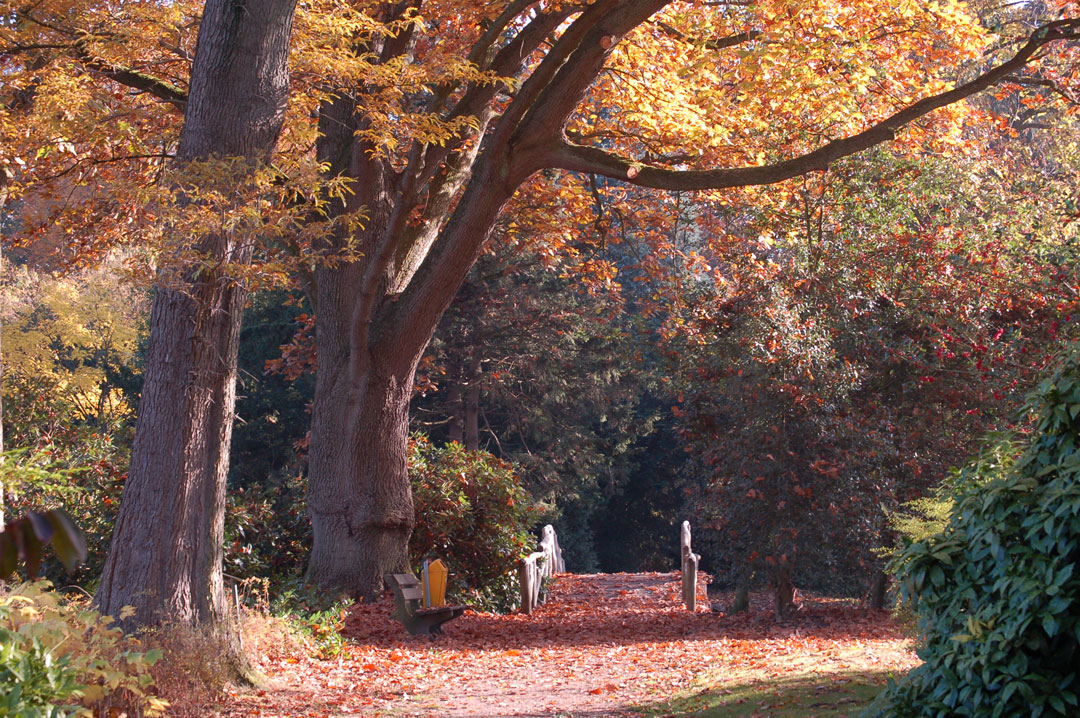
<point x="601" y="644"/>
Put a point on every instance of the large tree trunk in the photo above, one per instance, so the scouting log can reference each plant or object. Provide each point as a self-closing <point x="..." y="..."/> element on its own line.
<point x="165" y="556"/>
<point x="359" y="497"/>
<point x="165" y="559"/>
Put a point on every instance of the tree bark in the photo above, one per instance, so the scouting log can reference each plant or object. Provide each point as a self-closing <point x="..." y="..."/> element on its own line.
<point x="165" y="556"/>
<point x="878" y="589"/>
<point x="742" y="597"/>
<point x="457" y="411"/>
<point x="785" y="594"/>
<point x="359" y="496"/>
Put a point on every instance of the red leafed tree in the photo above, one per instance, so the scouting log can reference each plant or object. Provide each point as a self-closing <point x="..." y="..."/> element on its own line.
<point x="891" y="315"/>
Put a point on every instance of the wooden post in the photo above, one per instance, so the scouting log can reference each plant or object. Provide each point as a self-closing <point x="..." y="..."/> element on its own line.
<point x="529" y="574"/>
<point x="549" y="544"/>
<point x="537" y="566"/>
<point x="689" y="570"/>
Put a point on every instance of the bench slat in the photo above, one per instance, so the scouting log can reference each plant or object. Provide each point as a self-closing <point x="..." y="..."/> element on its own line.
<point x="417" y="620"/>
<point x="440" y="611"/>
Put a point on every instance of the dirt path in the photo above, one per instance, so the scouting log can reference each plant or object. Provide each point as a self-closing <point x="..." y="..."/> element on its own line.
<point x="601" y="644"/>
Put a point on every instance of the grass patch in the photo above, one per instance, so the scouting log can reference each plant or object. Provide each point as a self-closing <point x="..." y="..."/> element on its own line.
<point x="800" y="695"/>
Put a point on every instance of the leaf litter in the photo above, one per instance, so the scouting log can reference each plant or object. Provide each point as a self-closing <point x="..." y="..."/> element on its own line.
<point x="601" y="644"/>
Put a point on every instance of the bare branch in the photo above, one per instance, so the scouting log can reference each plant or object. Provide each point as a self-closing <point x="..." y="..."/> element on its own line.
<point x="1044" y="82"/>
<point x="718" y="44"/>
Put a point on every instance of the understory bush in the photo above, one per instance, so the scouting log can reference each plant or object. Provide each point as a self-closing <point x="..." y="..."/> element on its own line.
<point x="312" y="617"/>
<point x="58" y="658"/>
<point x="472" y="512"/>
<point x="267" y="531"/>
<point x="997" y="592"/>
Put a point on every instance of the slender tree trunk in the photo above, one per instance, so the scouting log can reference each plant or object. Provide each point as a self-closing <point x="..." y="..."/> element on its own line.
<point x="878" y="590"/>
<point x="457" y="413"/>
<point x="165" y="556"/>
<point x="785" y="593"/>
<point x="743" y="579"/>
<point x="472" y="404"/>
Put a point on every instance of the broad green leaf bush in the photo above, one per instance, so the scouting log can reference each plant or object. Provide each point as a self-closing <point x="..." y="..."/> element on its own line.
<point x="58" y="658"/>
<point x="927" y="516"/>
<point x="267" y="531"/>
<point x="62" y="460"/>
<point x="997" y="591"/>
<point x="472" y="512"/>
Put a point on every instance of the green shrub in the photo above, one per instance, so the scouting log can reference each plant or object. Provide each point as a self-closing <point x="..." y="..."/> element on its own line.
<point x="314" y="617"/>
<point x="927" y="516"/>
<point x="267" y="531"/>
<point x="997" y="591"/>
<point x="471" y="512"/>
<point x="34" y="680"/>
<point x="63" y="461"/>
<point x="60" y="659"/>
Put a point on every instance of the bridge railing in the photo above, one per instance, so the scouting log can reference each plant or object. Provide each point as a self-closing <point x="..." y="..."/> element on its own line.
<point x="689" y="569"/>
<point x="541" y="564"/>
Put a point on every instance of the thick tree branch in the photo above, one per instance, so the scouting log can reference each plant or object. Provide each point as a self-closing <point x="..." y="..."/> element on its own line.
<point x="443" y="171"/>
<point x="562" y="93"/>
<point x="592" y="160"/>
<point x="444" y="189"/>
<point x="175" y="96"/>
<point x="131" y="78"/>
<point x="482" y="49"/>
<point x="533" y="88"/>
<point x="508" y="62"/>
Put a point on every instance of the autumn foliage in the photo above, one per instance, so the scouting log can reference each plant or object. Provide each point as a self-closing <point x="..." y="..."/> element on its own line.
<point x="602" y="643"/>
<point x="834" y="241"/>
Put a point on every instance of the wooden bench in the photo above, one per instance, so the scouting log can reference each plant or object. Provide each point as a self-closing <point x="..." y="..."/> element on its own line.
<point x="409" y="597"/>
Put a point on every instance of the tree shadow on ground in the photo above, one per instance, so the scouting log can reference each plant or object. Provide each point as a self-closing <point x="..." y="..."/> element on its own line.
<point x="803" y="695"/>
